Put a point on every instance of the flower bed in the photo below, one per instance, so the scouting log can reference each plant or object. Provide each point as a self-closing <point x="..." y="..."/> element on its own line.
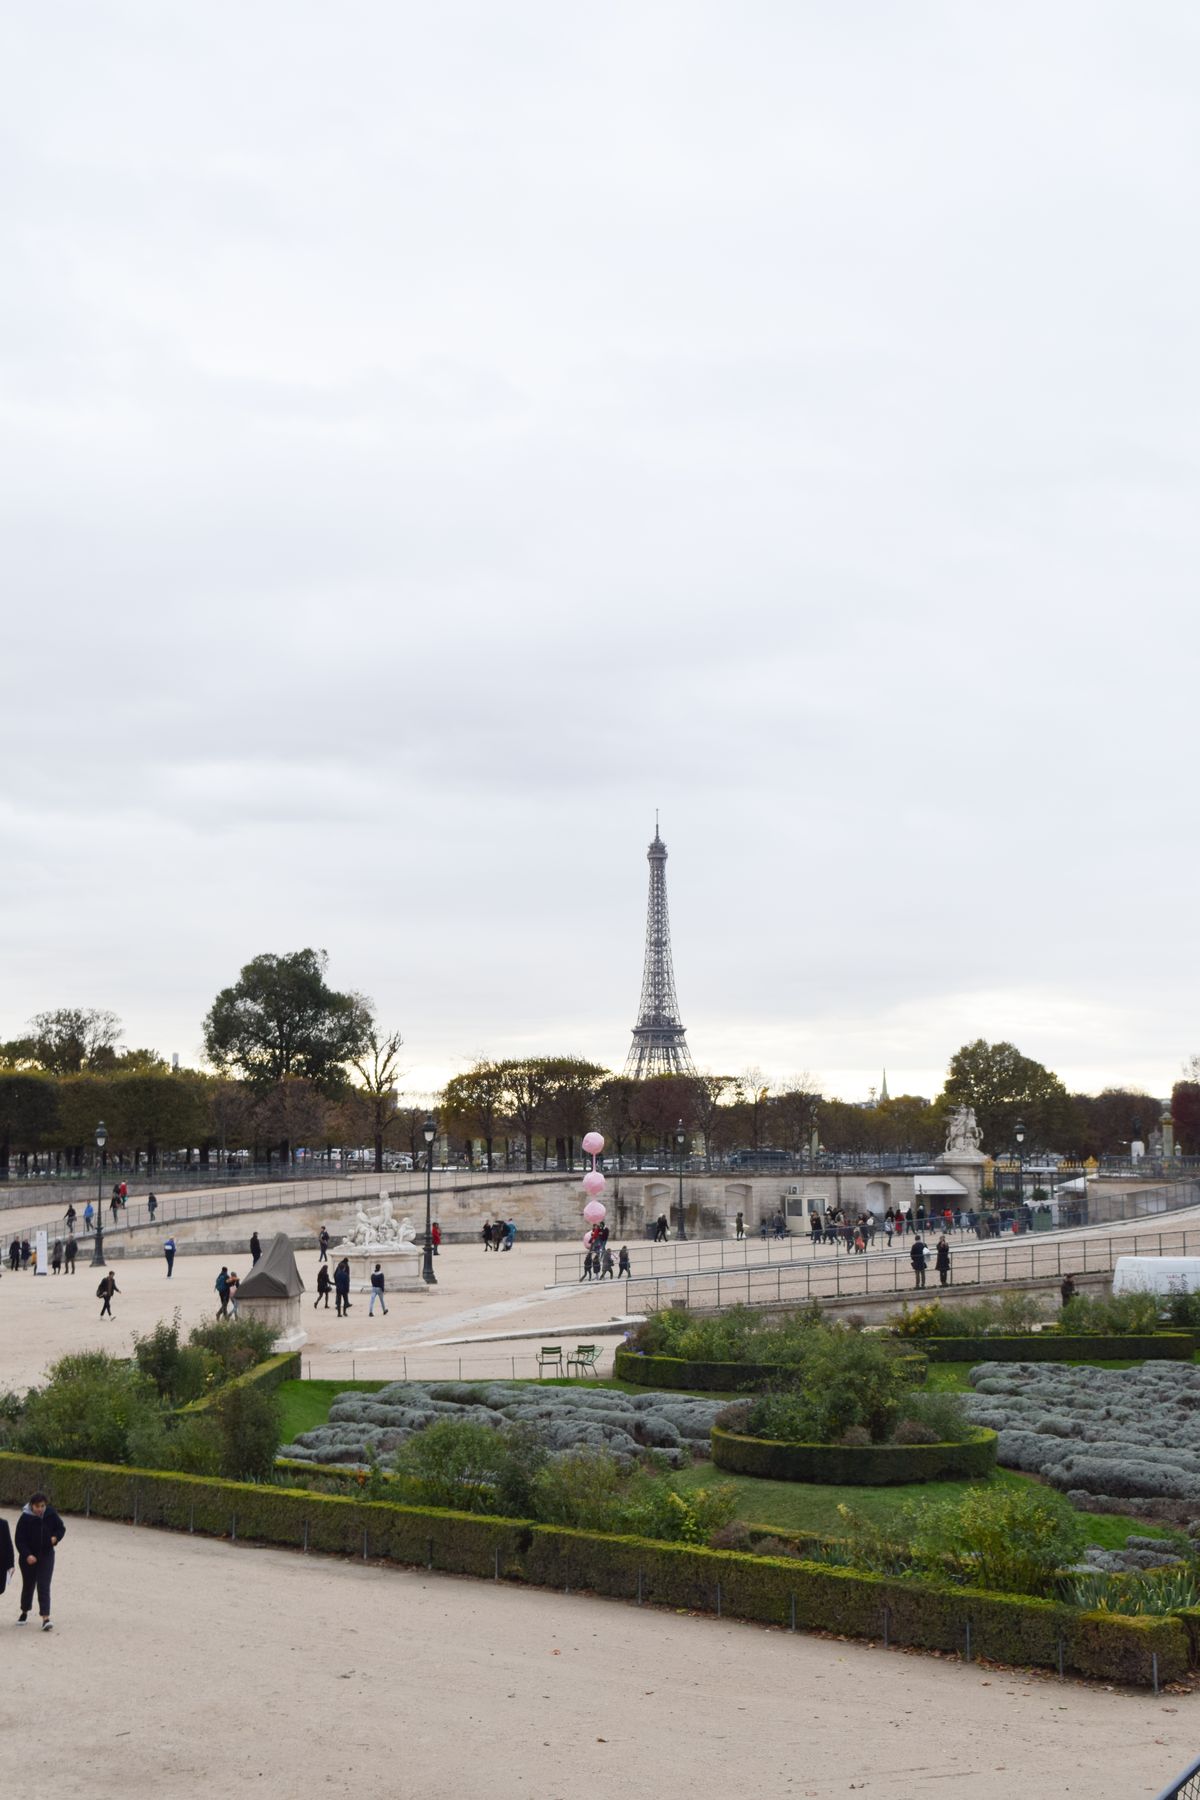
<point x="1097" y="1433"/>
<point x="674" y="1372"/>
<point x="361" y="1425"/>
<point x="778" y="1591"/>
<point x="1054" y="1346"/>
<point x="855" y="1465"/>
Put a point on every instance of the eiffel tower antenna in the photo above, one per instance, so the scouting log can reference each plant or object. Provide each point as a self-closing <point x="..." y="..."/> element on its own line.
<point x="659" y="1044"/>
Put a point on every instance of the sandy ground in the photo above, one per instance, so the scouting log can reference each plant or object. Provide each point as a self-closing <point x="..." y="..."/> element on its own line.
<point x="187" y="1664"/>
<point x="428" y="1332"/>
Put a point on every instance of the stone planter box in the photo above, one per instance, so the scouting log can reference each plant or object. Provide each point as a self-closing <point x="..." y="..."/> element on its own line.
<point x="676" y="1372"/>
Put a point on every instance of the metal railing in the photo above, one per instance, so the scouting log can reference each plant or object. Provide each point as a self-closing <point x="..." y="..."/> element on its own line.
<point x="1185" y="1786"/>
<point x="422" y="1366"/>
<point x="696" y="1254"/>
<point x="1030" y="1258"/>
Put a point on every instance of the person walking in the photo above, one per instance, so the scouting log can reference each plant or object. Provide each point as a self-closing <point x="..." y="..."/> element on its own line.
<point x="510" y="1235"/>
<point x="7" y="1560"/>
<point x="221" y="1284"/>
<point x="70" y="1217"/>
<point x="435" y="1234"/>
<point x="377" y="1292"/>
<point x="606" y="1264"/>
<point x="231" y="1288"/>
<point x="14" y="1255"/>
<point x="1067" y="1290"/>
<point x="123" y="1193"/>
<point x="341" y="1281"/>
<point x="323" y="1242"/>
<point x="255" y="1248"/>
<point x="26" y="1253"/>
<point x="588" y="1265"/>
<point x="623" y="1267"/>
<point x="107" y="1288"/>
<point x="88" y="1216"/>
<point x="917" y="1258"/>
<point x="56" y="1257"/>
<point x="486" y="1235"/>
<point x="941" y="1260"/>
<point x="114" y="1201"/>
<point x="323" y="1285"/>
<point x="739" y="1226"/>
<point x="169" y="1253"/>
<point x="70" y="1252"/>
<point x="152" y="1205"/>
<point x="39" y="1533"/>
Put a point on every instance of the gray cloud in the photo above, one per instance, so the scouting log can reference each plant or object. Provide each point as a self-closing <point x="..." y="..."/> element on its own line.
<point x="428" y="441"/>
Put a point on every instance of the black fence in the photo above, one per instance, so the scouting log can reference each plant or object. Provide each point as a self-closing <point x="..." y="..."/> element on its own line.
<point x="1185" y="1786"/>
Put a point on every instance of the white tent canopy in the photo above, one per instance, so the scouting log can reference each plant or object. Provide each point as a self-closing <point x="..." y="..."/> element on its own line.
<point x="942" y="1187"/>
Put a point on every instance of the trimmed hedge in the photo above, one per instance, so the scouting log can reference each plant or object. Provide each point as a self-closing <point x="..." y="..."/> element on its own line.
<point x="772" y="1590"/>
<point x="670" y="1372"/>
<point x="855" y="1465"/>
<point x="270" y="1373"/>
<point x="1046" y="1346"/>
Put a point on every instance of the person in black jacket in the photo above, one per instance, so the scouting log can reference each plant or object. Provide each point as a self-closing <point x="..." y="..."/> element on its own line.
<point x="6" y="1554"/>
<point x="917" y="1258"/>
<point x="341" y="1282"/>
<point x="255" y="1247"/>
<point x="39" y="1532"/>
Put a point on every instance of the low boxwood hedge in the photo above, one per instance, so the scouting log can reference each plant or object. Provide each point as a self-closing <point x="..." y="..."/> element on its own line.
<point x="672" y="1372"/>
<point x="269" y="1374"/>
<point x="773" y="1590"/>
<point x="855" y="1465"/>
<point x="1052" y="1346"/>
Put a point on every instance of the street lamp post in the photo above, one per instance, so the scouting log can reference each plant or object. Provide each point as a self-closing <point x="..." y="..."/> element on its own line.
<point x="98" y="1240"/>
<point x="428" y="1132"/>
<point x="680" y="1141"/>
<point x="1019" y="1134"/>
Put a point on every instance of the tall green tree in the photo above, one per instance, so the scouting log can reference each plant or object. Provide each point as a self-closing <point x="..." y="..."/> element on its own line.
<point x="281" y="1020"/>
<point x="1003" y="1087"/>
<point x="67" y="1040"/>
<point x="28" y="1113"/>
<point x="473" y="1104"/>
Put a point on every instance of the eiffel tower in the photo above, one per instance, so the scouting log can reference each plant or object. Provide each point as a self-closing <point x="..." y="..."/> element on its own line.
<point x="659" y="1044"/>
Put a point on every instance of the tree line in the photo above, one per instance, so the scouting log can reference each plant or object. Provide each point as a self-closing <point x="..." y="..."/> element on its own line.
<point x="292" y="1062"/>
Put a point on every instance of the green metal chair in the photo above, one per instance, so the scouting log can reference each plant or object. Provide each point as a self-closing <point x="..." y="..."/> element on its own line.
<point x="585" y="1360"/>
<point x="550" y="1357"/>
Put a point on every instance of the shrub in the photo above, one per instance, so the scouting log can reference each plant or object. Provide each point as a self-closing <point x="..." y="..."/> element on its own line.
<point x="1010" y="1540"/>
<point x="247" y="1423"/>
<point x="1121" y="1315"/>
<point x="944" y="1415"/>
<point x="92" y="1406"/>
<point x="237" y="1344"/>
<point x="849" y="1380"/>
<point x="911" y="1431"/>
<point x="452" y="1463"/>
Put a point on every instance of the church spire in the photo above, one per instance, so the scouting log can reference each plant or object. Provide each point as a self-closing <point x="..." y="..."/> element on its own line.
<point x="883" y="1093"/>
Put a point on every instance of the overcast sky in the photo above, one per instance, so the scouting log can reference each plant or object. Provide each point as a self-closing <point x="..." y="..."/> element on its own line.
<point x="433" y="436"/>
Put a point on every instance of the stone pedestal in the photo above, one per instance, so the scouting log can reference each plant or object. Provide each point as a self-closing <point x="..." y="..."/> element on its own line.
<point x="401" y="1269"/>
<point x="281" y="1312"/>
<point x="966" y="1169"/>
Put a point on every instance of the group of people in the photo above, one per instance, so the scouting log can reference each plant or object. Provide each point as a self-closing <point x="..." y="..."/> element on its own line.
<point x="22" y="1255"/>
<point x="499" y="1236"/>
<point x="918" y="1255"/>
<point x="598" y="1258"/>
<point x="39" y="1533"/>
<point x="339" y="1286"/>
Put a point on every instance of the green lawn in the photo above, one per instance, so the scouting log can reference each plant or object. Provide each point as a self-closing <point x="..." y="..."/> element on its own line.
<point x="306" y="1404"/>
<point x="784" y="1505"/>
<point x="802" y="1506"/>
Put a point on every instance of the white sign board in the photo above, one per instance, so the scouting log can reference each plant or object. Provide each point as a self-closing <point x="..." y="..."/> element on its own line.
<point x="43" y="1259"/>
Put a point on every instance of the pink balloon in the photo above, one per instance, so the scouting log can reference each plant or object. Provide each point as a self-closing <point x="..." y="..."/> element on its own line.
<point x="593" y="1143"/>
<point x="594" y="1211"/>
<point x="587" y="1240"/>
<point x="593" y="1182"/>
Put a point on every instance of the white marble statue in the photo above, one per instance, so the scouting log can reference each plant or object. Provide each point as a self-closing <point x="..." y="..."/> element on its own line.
<point x="963" y="1136"/>
<point x="381" y="1231"/>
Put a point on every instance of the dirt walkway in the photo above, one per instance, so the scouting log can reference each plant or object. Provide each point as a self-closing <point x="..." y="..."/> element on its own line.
<point x="186" y="1665"/>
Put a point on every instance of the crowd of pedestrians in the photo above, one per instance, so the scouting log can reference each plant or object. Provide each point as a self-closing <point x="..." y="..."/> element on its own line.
<point x="598" y="1258"/>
